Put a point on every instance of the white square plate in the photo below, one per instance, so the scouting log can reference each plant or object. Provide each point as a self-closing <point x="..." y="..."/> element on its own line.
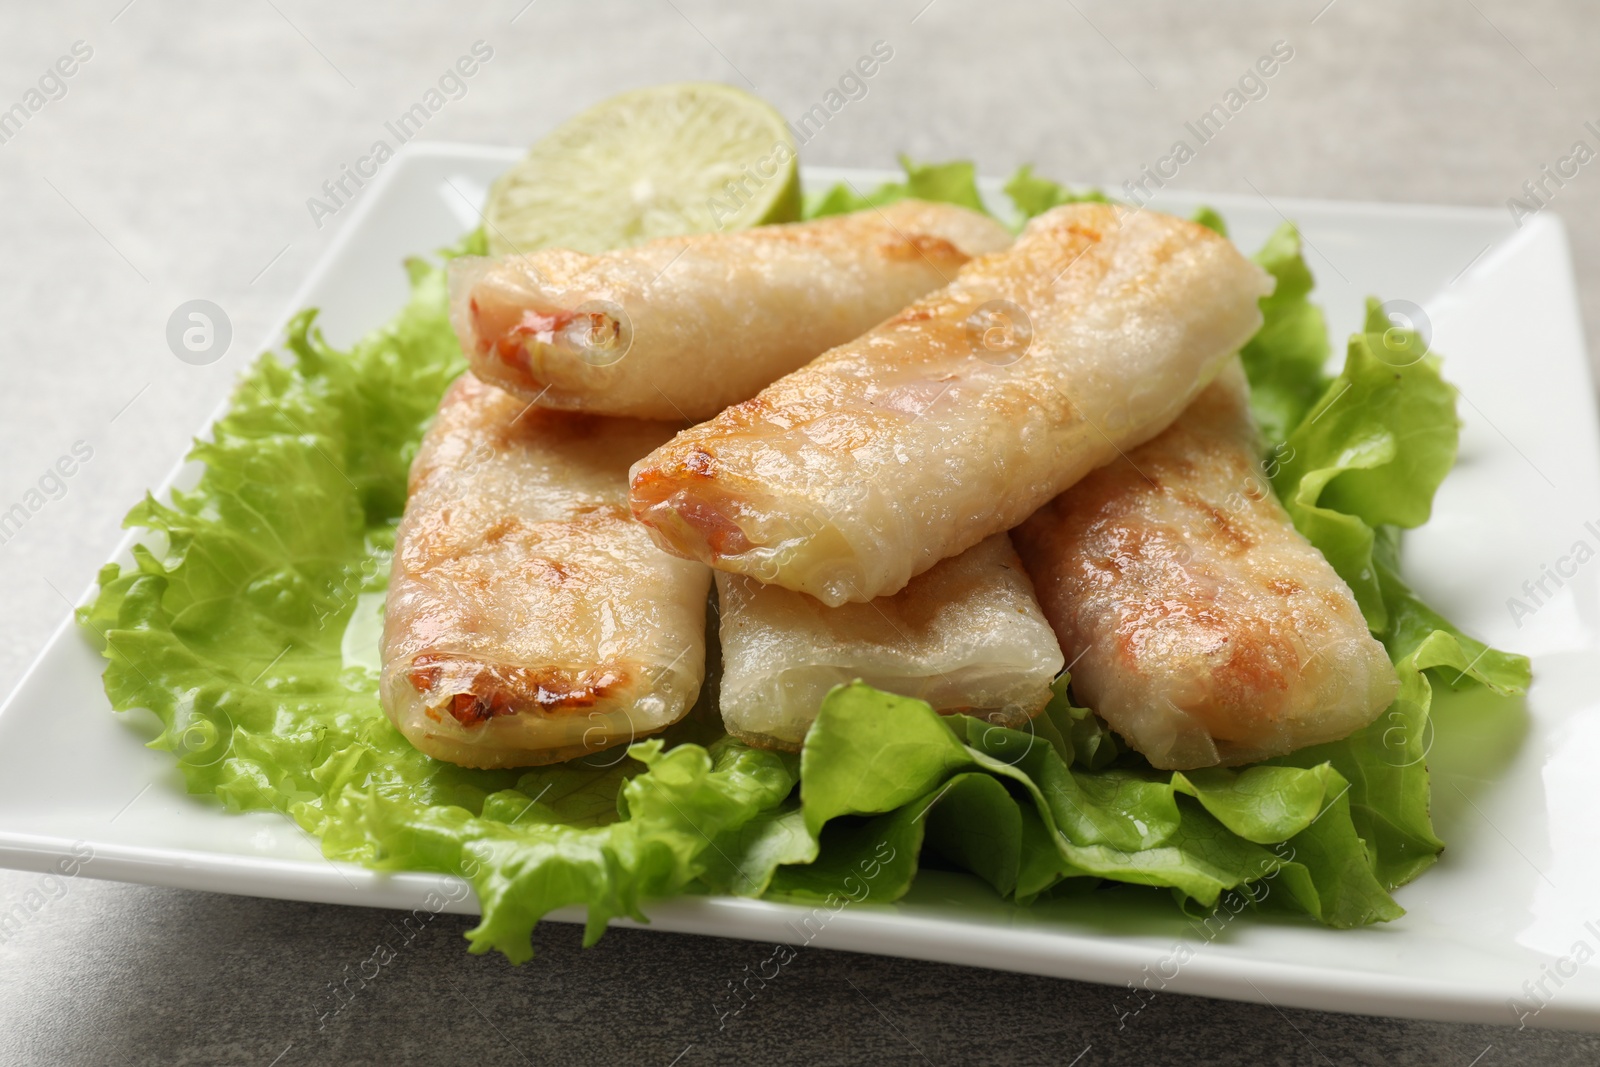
<point x="1509" y="903"/>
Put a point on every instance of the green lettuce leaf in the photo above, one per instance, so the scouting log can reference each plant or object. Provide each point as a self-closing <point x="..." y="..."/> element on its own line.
<point x="1371" y="451"/>
<point x="871" y="752"/>
<point x="975" y="824"/>
<point x="746" y="857"/>
<point x="1039" y="820"/>
<point x="1285" y="359"/>
<point x="1033" y="195"/>
<point x="1081" y="736"/>
<point x="523" y="868"/>
<point x="948" y="183"/>
<point x="955" y="182"/>
<point x="860" y="860"/>
<point x="1209" y="218"/>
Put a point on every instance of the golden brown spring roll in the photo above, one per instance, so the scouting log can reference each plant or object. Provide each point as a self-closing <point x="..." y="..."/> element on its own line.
<point x="529" y="619"/>
<point x="966" y="636"/>
<point x="681" y="327"/>
<point x="1201" y="625"/>
<point x="963" y="414"/>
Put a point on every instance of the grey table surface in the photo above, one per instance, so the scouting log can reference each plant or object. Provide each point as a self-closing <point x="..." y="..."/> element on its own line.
<point x="177" y="163"/>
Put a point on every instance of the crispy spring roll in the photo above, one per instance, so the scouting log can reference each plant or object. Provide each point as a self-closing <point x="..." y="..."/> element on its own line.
<point x="681" y="327"/>
<point x="965" y="636"/>
<point x="1204" y="628"/>
<point x="963" y="414"/>
<point x="529" y="619"/>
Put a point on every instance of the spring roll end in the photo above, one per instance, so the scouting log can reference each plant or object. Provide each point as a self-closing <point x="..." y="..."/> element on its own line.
<point x="479" y="714"/>
<point x="689" y="513"/>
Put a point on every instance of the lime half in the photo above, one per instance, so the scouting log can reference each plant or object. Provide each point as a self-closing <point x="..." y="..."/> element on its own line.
<point x="671" y="159"/>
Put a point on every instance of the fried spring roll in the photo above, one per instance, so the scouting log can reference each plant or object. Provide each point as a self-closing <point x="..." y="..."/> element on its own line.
<point x="681" y="327"/>
<point x="963" y="414"/>
<point x="965" y="636"/>
<point x="1203" y="627"/>
<point x="529" y="619"/>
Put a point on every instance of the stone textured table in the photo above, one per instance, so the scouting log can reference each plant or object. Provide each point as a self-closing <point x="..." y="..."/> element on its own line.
<point x="175" y="163"/>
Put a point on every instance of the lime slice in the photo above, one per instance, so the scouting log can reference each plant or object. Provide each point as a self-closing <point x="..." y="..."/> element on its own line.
<point x="670" y="159"/>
